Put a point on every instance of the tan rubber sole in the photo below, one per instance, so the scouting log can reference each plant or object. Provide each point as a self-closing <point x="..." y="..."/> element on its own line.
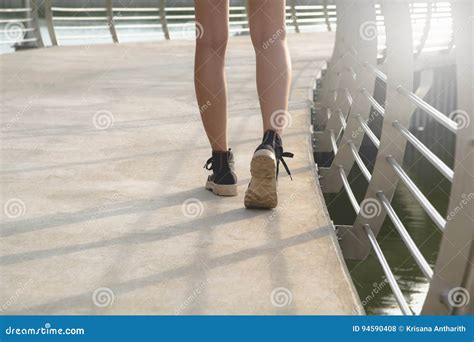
<point x="262" y="190"/>
<point x="222" y="189"/>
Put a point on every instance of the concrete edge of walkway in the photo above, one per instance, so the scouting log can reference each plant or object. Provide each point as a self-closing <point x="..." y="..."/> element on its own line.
<point x="358" y="308"/>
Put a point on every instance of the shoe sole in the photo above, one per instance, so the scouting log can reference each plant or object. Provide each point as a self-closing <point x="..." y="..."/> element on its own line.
<point x="262" y="190"/>
<point x="222" y="189"/>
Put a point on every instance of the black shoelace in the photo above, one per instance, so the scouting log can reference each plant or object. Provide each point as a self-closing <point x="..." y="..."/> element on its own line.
<point x="208" y="165"/>
<point x="280" y="157"/>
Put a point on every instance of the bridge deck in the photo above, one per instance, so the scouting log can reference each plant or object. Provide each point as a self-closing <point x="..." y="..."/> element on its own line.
<point x="104" y="208"/>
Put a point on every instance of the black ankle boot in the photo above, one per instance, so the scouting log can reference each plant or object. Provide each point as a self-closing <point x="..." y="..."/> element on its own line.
<point x="272" y="141"/>
<point x="264" y="168"/>
<point x="223" y="181"/>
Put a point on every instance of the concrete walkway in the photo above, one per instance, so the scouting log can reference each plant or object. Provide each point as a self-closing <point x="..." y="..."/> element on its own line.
<point x="102" y="190"/>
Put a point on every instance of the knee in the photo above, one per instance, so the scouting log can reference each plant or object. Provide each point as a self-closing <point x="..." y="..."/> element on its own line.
<point x="268" y="39"/>
<point x="215" y="41"/>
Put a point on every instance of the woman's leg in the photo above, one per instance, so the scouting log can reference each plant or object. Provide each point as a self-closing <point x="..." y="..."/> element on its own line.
<point x="267" y="29"/>
<point x="212" y="17"/>
<point x="209" y="77"/>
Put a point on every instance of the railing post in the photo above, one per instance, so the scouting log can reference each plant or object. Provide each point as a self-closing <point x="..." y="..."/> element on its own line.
<point x="49" y="21"/>
<point x="326" y="15"/>
<point x="35" y="24"/>
<point x="294" y="17"/>
<point x="399" y="65"/>
<point x="365" y="41"/>
<point x="246" y="5"/>
<point x="360" y="40"/>
<point x="452" y="287"/>
<point x="426" y="29"/>
<point x="110" y="20"/>
<point x="163" y="21"/>
<point x="32" y="32"/>
<point x="332" y="76"/>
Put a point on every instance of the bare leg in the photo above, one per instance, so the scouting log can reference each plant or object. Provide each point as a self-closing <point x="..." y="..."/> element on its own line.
<point x="267" y="29"/>
<point x="209" y="78"/>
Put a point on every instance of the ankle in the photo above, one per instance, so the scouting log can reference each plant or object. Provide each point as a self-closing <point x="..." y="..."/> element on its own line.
<point x="271" y="138"/>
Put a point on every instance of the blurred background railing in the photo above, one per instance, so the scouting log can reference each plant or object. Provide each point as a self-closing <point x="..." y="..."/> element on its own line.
<point x="61" y="22"/>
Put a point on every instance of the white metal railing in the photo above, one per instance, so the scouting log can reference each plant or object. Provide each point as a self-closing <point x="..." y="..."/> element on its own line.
<point x="19" y="26"/>
<point x="72" y="24"/>
<point x="340" y="125"/>
<point x="164" y="21"/>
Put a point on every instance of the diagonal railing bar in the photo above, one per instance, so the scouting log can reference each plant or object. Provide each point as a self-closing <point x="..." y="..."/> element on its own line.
<point x="411" y="245"/>
<point x="416" y="192"/>
<point x="402" y="303"/>
<point x="425" y="151"/>
<point x="370" y="134"/>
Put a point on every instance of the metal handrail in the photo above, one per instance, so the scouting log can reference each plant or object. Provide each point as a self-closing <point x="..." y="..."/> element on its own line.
<point x="373" y="101"/>
<point x="388" y="272"/>
<point x="359" y="162"/>
<point x="4" y="21"/>
<point x="411" y="245"/>
<point x="433" y="112"/>
<point x="425" y="151"/>
<point x="13" y="10"/>
<point x="370" y="134"/>
<point x="416" y="192"/>
<point x="350" y="193"/>
<point x="380" y="75"/>
<point x="346" y="74"/>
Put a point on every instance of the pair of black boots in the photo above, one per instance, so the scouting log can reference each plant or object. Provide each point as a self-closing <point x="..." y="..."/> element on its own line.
<point x="264" y="168"/>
